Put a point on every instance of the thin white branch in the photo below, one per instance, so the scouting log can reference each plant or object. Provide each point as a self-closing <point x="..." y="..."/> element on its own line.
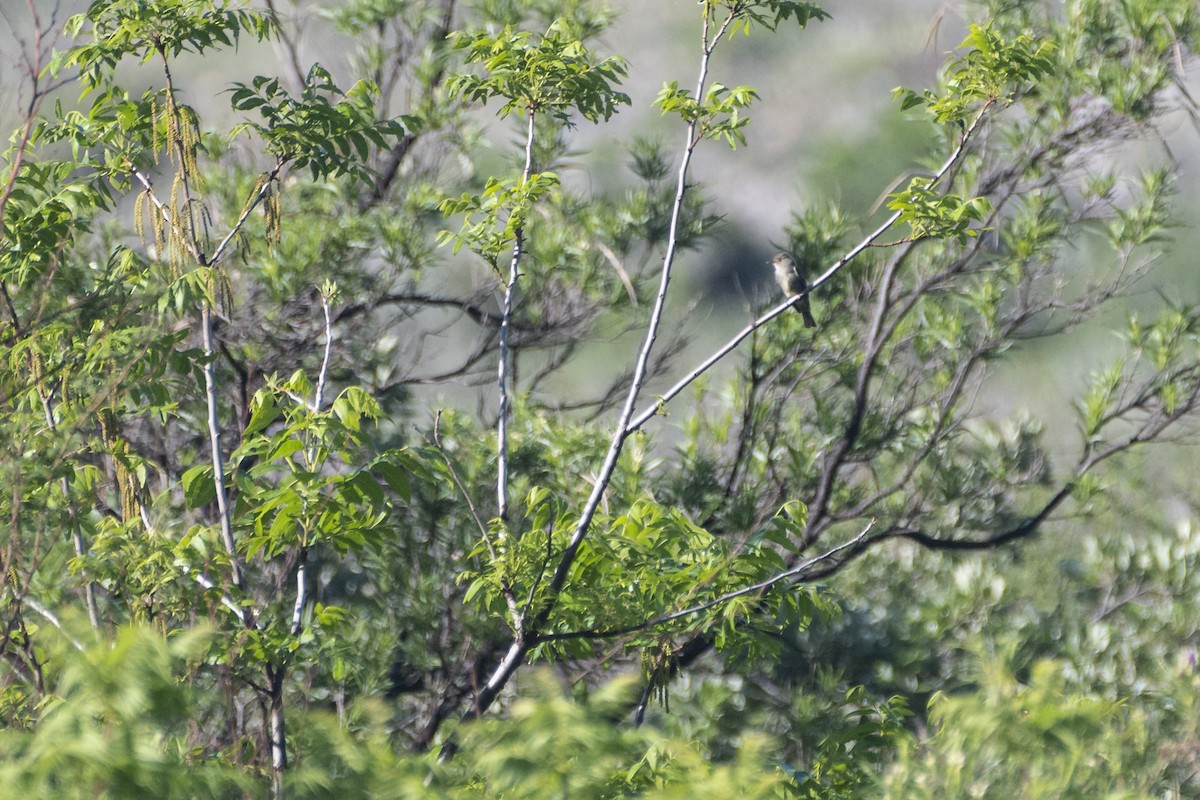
<point x="278" y="737"/>
<point x="226" y="600"/>
<point x="619" y="268"/>
<point x="319" y="400"/>
<point x="301" y="592"/>
<point x="311" y="454"/>
<point x="210" y="385"/>
<point x="510" y="288"/>
<point x="640" y="368"/>
<point x="214" y="441"/>
<point x="647" y="414"/>
<point x="165" y="213"/>
<point x="258" y="197"/>
<point x="500" y="675"/>
<point x="516" y="651"/>
<point x="198" y="577"/>
<point x="206" y="324"/>
<point x="52" y="618"/>
<point x="764" y="584"/>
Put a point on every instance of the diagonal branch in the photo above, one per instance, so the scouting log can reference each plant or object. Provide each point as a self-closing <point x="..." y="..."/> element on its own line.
<point x="1147" y="432"/>
<point x="252" y="203"/>
<point x="647" y="414"/>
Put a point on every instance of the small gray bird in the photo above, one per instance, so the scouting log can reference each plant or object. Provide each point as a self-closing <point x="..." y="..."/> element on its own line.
<point x="791" y="280"/>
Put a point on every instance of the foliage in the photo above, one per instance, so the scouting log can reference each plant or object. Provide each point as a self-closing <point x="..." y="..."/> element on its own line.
<point x="1035" y="740"/>
<point x="248" y="550"/>
<point x="114" y="726"/>
<point x="554" y="75"/>
<point x="331" y="139"/>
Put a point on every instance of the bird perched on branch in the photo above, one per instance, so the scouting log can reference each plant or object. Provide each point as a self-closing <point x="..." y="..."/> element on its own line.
<point x="791" y="280"/>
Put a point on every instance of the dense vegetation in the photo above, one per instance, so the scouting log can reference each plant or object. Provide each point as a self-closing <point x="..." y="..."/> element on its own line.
<point x="320" y="478"/>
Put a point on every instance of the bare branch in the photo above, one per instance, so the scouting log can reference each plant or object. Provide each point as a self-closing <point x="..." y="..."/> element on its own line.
<point x="399" y="152"/>
<point x="437" y="445"/>
<point x="259" y="195"/>
<point x="647" y="414"/>
<point x="34" y="56"/>
<point x="289" y="45"/>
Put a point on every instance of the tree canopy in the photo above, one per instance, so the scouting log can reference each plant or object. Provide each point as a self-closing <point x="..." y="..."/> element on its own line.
<point x="356" y="442"/>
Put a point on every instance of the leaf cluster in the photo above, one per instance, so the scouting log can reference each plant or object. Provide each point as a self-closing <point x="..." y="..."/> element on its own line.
<point x="994" y="69"/>
<point x="718" y="116"/>
<point x="326" y="130"/>
<point x="121" y="28"/>
<point x="553" y="73"/>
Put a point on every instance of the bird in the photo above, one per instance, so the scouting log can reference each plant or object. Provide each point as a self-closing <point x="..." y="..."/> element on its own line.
<point x="791" y="280"/>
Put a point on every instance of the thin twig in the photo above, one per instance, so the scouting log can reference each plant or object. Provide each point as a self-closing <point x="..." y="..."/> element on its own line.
<point x="311" y="455"/>
<point x="437" y="445"/>
<point x="647" y="414"/>
<point x="192" y="244"/>
<point x="289" y="45"/>
<point x="192" y="241"/>
<point x="33" y="57"/>
<point x="210" y="378"/>
<point x="639" y="373"/>
<point x="515" y="613"/>
<point x="255" y="199"/>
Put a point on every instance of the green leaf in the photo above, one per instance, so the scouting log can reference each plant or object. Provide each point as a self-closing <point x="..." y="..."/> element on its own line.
<point x="285" y="448"/>
<point x="263" y="411"/>
<point x="198" y="486"/>
<point x="395" y="477"/>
